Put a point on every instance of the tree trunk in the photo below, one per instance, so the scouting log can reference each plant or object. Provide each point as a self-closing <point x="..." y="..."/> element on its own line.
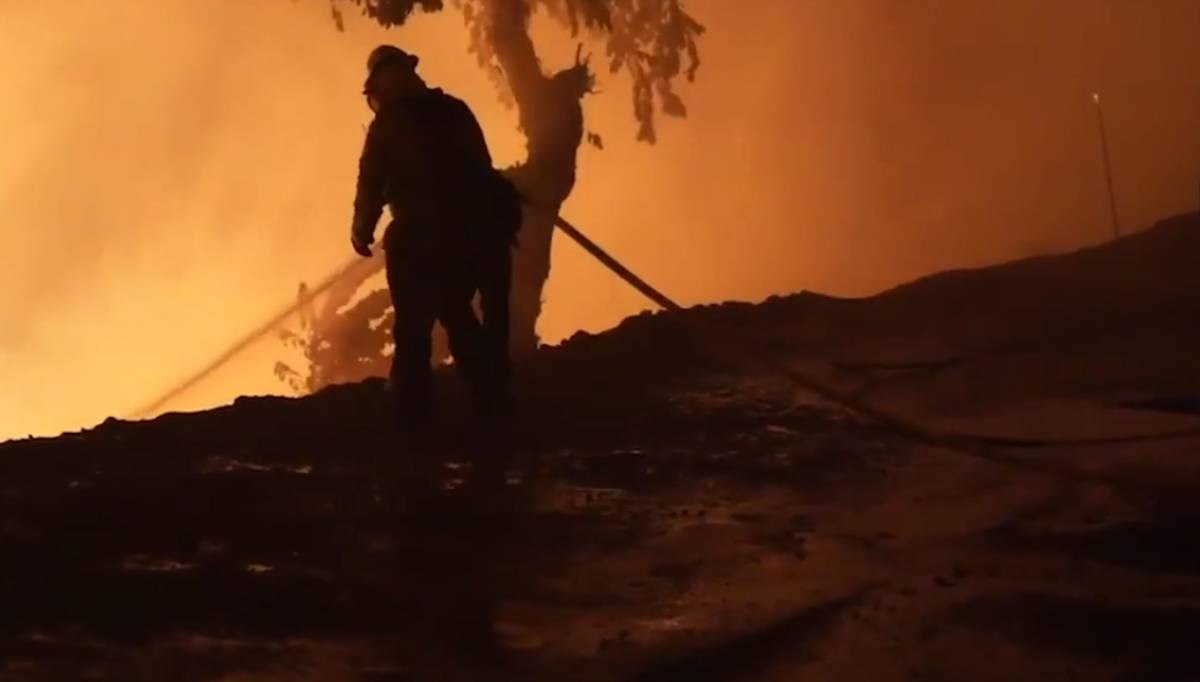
<point x="551" y="118"/>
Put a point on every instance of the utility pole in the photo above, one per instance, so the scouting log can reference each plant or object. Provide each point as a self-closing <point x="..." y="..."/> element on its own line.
<point x="1112" y="195"/>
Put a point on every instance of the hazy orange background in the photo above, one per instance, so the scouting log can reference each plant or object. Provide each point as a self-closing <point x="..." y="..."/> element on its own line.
<point x="172" y="169"/>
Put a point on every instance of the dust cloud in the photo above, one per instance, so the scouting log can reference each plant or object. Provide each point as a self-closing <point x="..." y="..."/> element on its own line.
<point x="172" y="170"/>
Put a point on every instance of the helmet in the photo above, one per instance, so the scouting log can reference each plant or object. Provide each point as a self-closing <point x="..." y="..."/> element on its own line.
<point x="390" y="54"/>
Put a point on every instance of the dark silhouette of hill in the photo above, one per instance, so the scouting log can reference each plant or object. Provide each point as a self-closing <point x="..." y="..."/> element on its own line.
<point x="677" y="504"/>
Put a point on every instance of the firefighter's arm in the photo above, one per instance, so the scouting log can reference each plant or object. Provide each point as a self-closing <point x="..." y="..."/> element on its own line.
<point x="369" y="194"/>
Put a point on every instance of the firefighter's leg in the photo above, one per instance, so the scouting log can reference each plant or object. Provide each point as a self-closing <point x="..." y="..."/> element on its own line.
<point x="414" y="303"/>
<point x="495" y="284"/>
<point x="464" y="334"/>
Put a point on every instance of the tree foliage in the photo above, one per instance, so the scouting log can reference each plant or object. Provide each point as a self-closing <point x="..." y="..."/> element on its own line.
<point x="653" y="41"/>
<point x="338" y="346"/>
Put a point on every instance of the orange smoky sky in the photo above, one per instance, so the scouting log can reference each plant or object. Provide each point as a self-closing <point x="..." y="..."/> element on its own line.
<point x="171" y="170"/>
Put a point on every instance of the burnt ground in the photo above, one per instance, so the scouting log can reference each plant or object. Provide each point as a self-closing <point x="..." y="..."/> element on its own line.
<point x="679" y="507"/>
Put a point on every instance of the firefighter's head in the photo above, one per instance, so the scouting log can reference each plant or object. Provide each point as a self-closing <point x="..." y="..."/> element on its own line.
<point x="391" y="74"/>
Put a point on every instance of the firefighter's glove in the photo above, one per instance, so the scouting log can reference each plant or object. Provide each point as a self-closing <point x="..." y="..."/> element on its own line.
<point x="361" y="241"/>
